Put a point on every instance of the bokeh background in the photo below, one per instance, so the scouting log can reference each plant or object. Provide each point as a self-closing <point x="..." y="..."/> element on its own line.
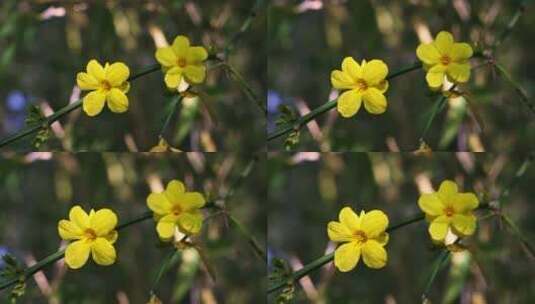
<point x="308" y="39"/>
<point x="307" y="190"/>
<point x="38" y="189"/>
<point x="43" y="44"/>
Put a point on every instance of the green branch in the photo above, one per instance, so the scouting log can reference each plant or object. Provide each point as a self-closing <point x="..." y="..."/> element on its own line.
<point x="329" y="257"/>
<point x="243" y="28"/>
<point x="61" y="253"/>
<point x="303" y="120"/>
<point x="518" y="89"/>
<point x="47" y="121"/>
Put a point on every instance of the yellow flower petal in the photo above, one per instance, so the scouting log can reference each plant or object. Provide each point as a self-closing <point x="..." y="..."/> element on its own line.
<point x="374" y="255"/>
<point x="166" y="56"/>
<point x="435" y="76"/>
<point x="338" y="232"/>
<point x="69" y="231"/>
<point x="461" y="52"/>
<point x="431" y="204"/>
<point x="173" y="78"/>
<point x="350" y="219"/>
<point x="103" y="221"/>
<point x="447" y="192"/>
<point x="374" y="101"/>
<point x="79" y="217"/>
<point x="191" y="201"/>
<point x="181" y="46"/>
<point x="428" y="53"/>
<point x="383" y="86"/>
<point x="374" y="223"/>
<point x="166" y="226"/>
<point x="117" y="73"/>
<point x="444" y="42"/>
<point x="347" y="256"/>
<point x="374" y="72"/>
<point x="383" y="239"/>
<point x="190" y="222"/>
<point x="159" y="203"/>
<point x="96" y="70"/>
<point x="341" y="80"/>
<point x="196" y="55"/>
<point x="76" y="254"/>
<point x="195" y="74"/>
<point x="87" y="82"/>
<point x="174" y="191"/>
<point x="464" y="202"/>
<point x="464" y="224"/>
<point x="117" y="101"/>
<point x="351" y="68"/>
<point x="458" y="72"/>
<point x="94" y="102"/>
<point x="439" y="228"/>
<point x="112" y="236"/>
<point x="103" y="252"/>
<point x="349" y="103"/>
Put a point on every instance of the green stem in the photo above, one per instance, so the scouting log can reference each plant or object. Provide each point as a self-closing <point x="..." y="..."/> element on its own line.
<point x="303" y="120"/>
<point x="174" y="104"/>
<point x="61" y="253"/>
<point x="47" y="121"/>
<point x="329" y="257"/>
<point x="512" y="23"/>
<point x="247" y="90"/>
<point x="518" y="89"/>
<point x="170" y="260"/>
<point x="441" y="261"/>
<point x="250" y="238"/>
<point x="437" y="108"/>
<point x="244" y="27"/>
<point x="518" y="234"/>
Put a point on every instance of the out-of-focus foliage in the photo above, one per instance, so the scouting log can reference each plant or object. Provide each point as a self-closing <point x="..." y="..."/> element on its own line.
<point x="38" y="190"/>
<point x="307" y="190"/>
<point x="44" y="44"/>
<point x="308" y="39"/>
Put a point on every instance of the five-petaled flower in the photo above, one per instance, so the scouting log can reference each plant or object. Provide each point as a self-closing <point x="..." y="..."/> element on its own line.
<point x="108" y="84"/>
<point x="363" y="235"/>
<point x="92" y="233"/>
<point x="449" y="210"/>
<point x="444" y="57"/>
<point x="365" y="83"/>
<point x="175" y="208"/>
<point x="182" y="62"/>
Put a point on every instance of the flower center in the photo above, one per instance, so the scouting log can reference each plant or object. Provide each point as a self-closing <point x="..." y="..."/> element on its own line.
<point x="360" y="236"/>
<point x="176" y="210"/>
<point x="105" y="84"/>
<point x="90" y="234"/>
<point x="181" y="62"/>
<point x="445" y="59"/>
<point x="449" y="211"/>
<point x="362" y="85"/>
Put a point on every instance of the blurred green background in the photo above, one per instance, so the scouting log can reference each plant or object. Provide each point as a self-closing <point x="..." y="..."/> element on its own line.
<point x="308" y="39"/>
<point x="38" y="189"/>
<point x="43" y="44"/>
<point x="307" y="190"/>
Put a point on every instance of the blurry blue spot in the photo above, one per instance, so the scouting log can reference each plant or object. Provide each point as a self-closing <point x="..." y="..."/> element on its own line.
<point x="16" y="101"/>
<point x="3" y="251"/>
<point x="274" y="100"/>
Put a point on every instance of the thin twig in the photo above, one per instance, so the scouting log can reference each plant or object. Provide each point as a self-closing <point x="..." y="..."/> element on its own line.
<point x="440" y="262"/>
<point x="174" y="104"/>
<point x="518" y="89"/>
<point x="303" y="120"/>
<point x="243" y="28"/>
<point x="246" y="88"/>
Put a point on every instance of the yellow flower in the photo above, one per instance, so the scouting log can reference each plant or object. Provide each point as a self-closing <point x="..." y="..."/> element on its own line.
<point x="175" y="208"/>
<point x="108" y="84"/>
<point x="444" y="57"/>
<point x="93" y="233"/>
<point x="363" y="235"/>
<point x="182" y="62"/>
<point x="365" y="82"/>
<point x="449" y="210"/>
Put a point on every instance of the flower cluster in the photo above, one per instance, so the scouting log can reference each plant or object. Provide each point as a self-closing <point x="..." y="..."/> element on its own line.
<point x="182" y="64"/>
<point x="448" y="211"/>
<point x="96" y="233"/>
<point x="175" y="209"/>
<point x="366" y="82"/>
